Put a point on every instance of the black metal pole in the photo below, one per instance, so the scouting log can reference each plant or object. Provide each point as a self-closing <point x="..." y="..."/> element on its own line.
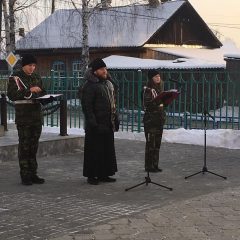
<point x="147" y="181"/>
<point x="4" y="111"/>
<point x="63" y="117"/>
<point x="205" y="139"/>
<point x="205" y="169"/>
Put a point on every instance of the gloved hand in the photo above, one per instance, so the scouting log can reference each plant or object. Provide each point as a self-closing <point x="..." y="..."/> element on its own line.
<point x="116" y="122"/>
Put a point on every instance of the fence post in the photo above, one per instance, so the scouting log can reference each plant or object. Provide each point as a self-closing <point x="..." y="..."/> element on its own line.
<point x="4" y="111"/>
<point x="139" y="76"/>
<point x="63" y="117"/>
<point x="185" y="120"/>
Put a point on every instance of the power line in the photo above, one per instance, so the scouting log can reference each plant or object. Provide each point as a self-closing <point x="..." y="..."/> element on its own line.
<point x="231" y="27"/>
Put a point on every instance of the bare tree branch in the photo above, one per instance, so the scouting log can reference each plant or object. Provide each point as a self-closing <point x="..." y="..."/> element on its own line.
<point x="25" y="5"/>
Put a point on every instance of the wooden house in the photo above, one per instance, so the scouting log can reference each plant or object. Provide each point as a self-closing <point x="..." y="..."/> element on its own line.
<point x="133" y="31"/>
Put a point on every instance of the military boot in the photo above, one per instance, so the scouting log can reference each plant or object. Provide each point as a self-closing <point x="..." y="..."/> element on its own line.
<point x="36" y="179"/>
<point x="26" y="180"/>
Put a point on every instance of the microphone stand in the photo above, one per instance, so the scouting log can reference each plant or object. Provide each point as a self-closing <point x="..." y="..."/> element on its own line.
<point x="205" y="113"/>
<point x="205" y="169"/>
<point x="147" y="181"/>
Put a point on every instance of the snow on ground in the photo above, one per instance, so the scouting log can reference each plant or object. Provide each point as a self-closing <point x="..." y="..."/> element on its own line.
<point x="225" y="138"/>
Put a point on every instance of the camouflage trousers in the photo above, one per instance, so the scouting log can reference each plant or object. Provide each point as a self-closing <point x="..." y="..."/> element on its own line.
<point x="153" y="143"/>
<point x="27" y="149"/>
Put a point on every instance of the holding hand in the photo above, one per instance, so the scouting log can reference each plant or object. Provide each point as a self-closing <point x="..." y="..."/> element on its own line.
<point x="35" y="89"/>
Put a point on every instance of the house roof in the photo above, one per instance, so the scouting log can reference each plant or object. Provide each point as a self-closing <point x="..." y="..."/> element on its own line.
<point x="213" y="55"/>
<point x="232" y="56"/>
<point x="127" y="26"/>
<point x="122" y="62"/>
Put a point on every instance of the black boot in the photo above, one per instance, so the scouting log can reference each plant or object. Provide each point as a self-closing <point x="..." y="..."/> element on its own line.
<point x="36" y="179"/>
<point x="26" y="180"/>
<point x="93" y="181"/>
<point x="107" y="179"/>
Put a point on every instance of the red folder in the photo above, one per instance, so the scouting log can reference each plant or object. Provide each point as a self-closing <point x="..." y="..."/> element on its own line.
<point x="167" y="96"/>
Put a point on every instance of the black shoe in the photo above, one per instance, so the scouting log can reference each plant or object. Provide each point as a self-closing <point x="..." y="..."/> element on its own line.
<point x="93" y="181"/>
<point x="36" y="179"/>
<point x="107" y="179"/>
<point x="158" y="169"/>
<point x="26" y="180"/>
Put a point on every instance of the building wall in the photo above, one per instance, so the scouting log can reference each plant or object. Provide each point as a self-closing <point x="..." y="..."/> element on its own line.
<point x="46" y="60"/>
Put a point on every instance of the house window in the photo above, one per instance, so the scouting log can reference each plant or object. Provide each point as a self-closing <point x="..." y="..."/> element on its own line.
<point x="59" y="74"/>
<point x="59" y="69"/>
<point x="77" y="73"/>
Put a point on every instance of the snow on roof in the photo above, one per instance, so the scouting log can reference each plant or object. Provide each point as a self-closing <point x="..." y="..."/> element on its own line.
<point x="217" y="55"/>
<point x="122" y="62"/>
<point x="214" y="55"/>
<point x="232" y="55"/>
<point x="114" y="27"/>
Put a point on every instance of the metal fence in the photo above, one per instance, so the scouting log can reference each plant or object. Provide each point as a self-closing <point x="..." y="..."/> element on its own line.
<point x="215" y="92"/>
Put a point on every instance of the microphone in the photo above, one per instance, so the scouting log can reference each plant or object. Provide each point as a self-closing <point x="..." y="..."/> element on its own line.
<point x="147" y="88"/>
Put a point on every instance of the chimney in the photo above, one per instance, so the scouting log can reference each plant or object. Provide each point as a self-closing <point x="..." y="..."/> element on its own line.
<point x="21" y="32"/>
<point x="106" y="3"/>
<point x="232" y="67"/>
<point x="153" y="3"/>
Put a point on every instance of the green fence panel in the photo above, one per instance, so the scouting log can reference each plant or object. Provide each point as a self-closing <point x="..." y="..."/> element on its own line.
<point x="217" y="92"/>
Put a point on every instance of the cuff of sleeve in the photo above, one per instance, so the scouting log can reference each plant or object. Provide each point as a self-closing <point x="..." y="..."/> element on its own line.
<point x="28" y="95"/>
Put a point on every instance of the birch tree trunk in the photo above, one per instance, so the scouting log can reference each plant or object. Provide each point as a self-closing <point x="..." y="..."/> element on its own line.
<point x="12" y="24"/>
<point x="6" y="24"/>
<point x="85" y="31"/>
<point x="0" y="23"/>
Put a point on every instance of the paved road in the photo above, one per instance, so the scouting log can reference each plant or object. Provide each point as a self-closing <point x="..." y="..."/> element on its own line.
<point x="66" y="207"/>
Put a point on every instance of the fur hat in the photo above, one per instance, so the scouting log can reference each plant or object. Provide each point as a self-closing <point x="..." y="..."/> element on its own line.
<point x="28" y="59"/>
<point x="96" y="64"/>
<point x="152" y="73"/>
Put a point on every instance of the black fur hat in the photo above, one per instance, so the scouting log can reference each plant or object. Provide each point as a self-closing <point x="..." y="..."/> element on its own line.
<point x="28" y="59"/>
<point x="152" y="73"/>
<point x="96" y="64"/>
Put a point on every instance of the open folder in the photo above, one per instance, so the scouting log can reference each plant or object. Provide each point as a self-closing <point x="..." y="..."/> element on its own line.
<point x="167" y="96"/>
<point x="48" y="98"/>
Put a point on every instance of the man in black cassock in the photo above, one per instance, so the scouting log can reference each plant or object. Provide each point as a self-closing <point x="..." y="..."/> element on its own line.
<point x="98" y="104"/>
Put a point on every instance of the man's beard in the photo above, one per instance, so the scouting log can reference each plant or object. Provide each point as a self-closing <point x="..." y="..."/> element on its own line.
<point x="102" y="77"/>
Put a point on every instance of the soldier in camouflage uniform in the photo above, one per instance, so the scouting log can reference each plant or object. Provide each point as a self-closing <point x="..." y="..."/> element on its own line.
<point x="23" y="87"/>
<point x="154" y="119"/>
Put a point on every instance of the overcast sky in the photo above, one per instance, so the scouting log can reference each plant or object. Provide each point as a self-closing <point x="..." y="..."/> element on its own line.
<point x="221" y="15"/>
<point x="224" y="14"/>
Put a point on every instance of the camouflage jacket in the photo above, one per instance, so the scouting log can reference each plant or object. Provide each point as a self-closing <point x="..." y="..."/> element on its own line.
<point x="154" y="116"/>
<point x="28" y="110"/>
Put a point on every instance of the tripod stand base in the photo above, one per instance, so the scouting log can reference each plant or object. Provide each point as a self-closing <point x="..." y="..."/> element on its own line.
<point x="147" y="181"/>
<point x="205" y="170"/>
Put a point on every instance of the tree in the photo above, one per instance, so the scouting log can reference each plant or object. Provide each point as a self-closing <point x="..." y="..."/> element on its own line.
<point x="10" y="9"/>
<point x="6" y="25"/>
<point x="87" y="9"/>
<point x="0" y="23"/>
